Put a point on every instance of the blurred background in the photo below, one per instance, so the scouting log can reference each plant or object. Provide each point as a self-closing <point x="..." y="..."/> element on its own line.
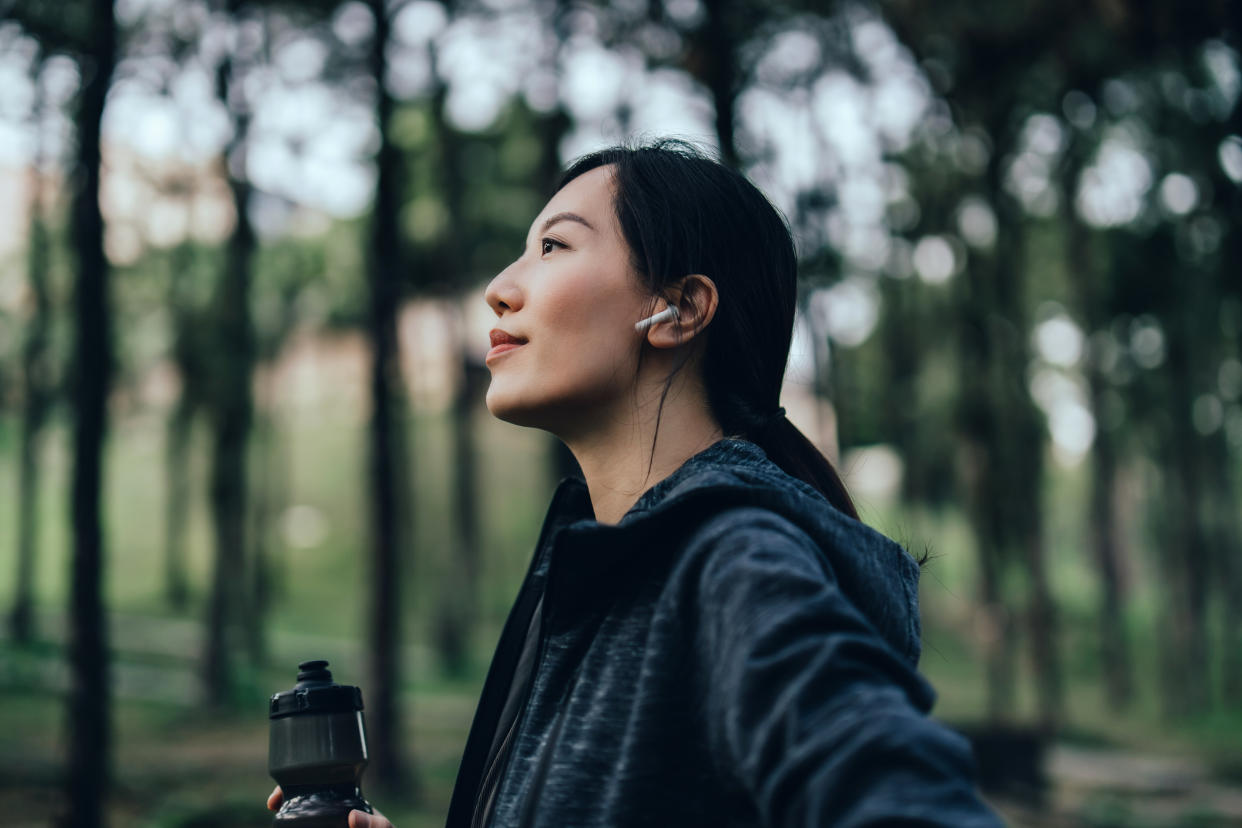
<point x="242" y="251"/>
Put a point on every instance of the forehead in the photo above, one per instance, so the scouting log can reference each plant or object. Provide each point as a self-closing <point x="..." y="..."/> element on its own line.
<point x="590" y="195"/>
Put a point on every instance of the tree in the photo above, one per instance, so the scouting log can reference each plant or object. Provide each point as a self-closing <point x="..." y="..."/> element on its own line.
<point x="89" y="723"/>
<point x="1097" y="301"/>
<point x="988" y="57"/>
<point x="715" y="61"/>
<point x="386" y="442"/>
<point x="37" y="392"/>
<point x="999" y="70"/>
<point x="231" y="406"/>
<point x="189" y="354"/>
<point x="457" y="612"/>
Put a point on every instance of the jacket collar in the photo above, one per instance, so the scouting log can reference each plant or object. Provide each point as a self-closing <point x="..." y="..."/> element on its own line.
<point x="877" y="575"/>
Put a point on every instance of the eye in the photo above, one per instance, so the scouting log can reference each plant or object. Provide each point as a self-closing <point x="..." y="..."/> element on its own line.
<point x="548" y="245"/>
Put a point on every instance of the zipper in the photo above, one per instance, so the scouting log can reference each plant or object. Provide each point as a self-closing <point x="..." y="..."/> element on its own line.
<point x="491" y="779"/>
<point x="541" y="773"/>
<point x="487" y="792"/>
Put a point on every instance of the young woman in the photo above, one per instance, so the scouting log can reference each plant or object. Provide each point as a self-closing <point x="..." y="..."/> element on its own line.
<point x="707" y="635"/>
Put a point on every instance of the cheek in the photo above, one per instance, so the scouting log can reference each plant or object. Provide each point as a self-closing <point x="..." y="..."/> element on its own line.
<point x="578" y="368"/>
<point x="586" y="364"/>
<point x="578" y="308"/>
<point x="582" y="353"/>
<point x="588" y="329"/>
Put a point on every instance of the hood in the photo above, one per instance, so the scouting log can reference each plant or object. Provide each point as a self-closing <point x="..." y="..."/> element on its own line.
<point x="878" y="576"/>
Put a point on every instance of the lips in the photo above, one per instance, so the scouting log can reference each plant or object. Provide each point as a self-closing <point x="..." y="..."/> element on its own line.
<point x="500" y="337"/>
<point x="502" y="341"/>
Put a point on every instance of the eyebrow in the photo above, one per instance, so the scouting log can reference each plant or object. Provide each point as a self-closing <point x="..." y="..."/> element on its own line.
<point x="559" y="217"/>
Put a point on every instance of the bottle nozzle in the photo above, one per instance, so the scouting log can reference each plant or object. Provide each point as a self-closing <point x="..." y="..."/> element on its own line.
<point x="314" y="671"/>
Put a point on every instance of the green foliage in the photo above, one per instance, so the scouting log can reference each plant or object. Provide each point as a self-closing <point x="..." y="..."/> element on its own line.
<point x="946" y="376"/>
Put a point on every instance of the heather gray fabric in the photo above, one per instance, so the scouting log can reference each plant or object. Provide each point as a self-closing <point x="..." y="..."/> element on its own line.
<point x="735" y="652"/>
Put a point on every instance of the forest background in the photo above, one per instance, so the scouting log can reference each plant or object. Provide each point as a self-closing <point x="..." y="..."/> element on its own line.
<point x="241" y="334"/>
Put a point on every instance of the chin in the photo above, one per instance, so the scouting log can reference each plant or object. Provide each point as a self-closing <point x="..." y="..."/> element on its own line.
<point x="504" y="407"/>
<point x="556" y="418"/>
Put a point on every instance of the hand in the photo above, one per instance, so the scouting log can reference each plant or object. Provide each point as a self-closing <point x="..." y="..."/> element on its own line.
<point x="357" y="819"/>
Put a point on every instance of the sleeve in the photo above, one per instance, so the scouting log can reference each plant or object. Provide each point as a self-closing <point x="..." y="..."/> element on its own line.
<point x="817" y="716"/>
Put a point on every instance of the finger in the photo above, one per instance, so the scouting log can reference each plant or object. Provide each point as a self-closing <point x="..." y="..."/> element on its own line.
<point x="359" y="819"/>
<point x="277" y="796"/>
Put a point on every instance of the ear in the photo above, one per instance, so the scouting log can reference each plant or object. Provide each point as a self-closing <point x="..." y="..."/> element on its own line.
<point x="696" y="299"/>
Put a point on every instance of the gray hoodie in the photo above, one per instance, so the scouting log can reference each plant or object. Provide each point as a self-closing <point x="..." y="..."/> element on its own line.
<point x="735" y="651"/>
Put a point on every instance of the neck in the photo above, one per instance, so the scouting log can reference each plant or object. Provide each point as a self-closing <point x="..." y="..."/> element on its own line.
<point x="615" y="454"/>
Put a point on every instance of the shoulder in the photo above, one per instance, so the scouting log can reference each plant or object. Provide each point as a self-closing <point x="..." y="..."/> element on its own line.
<point x="745" y="558"/>
<point x="761" y="555"/>
<point x="740" y="532"/>
<point x="738" y="523"/>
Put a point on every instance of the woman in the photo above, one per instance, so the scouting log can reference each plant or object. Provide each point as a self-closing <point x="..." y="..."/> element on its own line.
<point x="706" y="635"/>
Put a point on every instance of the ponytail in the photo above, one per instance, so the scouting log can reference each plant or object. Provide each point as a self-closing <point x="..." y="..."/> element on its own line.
<point x="786" y="446"/>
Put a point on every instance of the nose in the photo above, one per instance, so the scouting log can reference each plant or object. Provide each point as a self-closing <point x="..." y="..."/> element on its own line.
<point x="503" y="292"/>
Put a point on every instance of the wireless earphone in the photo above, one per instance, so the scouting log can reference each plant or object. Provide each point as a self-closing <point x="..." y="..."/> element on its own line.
<point x="669" y="313"/>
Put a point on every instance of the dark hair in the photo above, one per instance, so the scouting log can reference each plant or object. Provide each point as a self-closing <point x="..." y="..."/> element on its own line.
<point x="682" y="212"/>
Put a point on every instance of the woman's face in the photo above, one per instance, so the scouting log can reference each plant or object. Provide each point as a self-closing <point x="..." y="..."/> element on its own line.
<point x="572" y="300"/>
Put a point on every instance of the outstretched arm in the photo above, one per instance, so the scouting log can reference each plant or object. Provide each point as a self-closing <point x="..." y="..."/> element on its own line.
<point x="816" y="714"/>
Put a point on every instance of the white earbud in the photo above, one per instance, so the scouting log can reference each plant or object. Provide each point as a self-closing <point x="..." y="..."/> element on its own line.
<point x="669" y="313"/>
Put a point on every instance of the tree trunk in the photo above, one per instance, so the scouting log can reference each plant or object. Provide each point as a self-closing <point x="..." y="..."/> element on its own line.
<point x="458" y="612"/>
<point x="1105" y="520"/>
<point x="900" y="333"/>
<point x="1020" y="448"/>
<point x="1222" y="458"/>
<point x="1015" y="434"/>
<point x="189" y="362"/>
<point x="387" y="445"/>
<point x="1186" y="547"/>
<point x="1228" y="487"/>
<point x="1185" y="656"/>
<point x="1229" y="529"/>
<point x="843" y="393"/>
<point x="1221" y="528"/>
<point x="1093" y="290"/>
<point x="231" y="410"/>
<point x="21" y="622"/>
<point x="719" y="71"/>
<point x="995" y="622"/>
<point x="176" y="505"/>
<point x="266" y="500"/>
<point x="1106" y="540"/>
<point x="89" y="727"/>
<point x="473" y="388"/>
<point x="271" y="491"/>
<point x="979" y="430"/>
<point x="36" y="382"/>
<point x="1042" y="624"/>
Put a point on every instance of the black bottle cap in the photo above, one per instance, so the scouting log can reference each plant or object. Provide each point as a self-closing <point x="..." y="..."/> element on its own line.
<point x="315" y="692"/>
<point x="314" y="671"/>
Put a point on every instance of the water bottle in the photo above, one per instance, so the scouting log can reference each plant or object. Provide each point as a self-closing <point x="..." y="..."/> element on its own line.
<point x="318" y="750"/>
